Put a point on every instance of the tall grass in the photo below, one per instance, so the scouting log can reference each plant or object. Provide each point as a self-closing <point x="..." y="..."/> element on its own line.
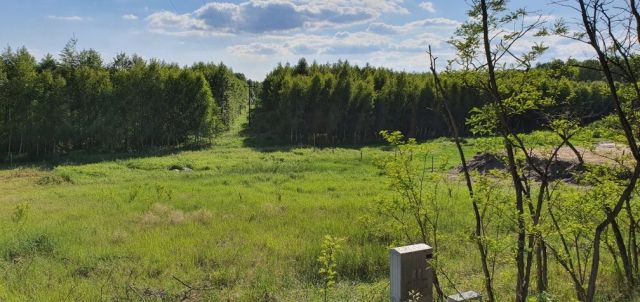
<point x="241" y="225"/>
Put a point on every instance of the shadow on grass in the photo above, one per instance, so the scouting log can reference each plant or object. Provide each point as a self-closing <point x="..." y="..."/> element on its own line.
<point x="266" y="142"/>
<point x="84" y="157"/>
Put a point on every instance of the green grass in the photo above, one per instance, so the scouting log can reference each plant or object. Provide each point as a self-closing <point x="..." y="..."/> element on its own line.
<point x="243" y="225"/>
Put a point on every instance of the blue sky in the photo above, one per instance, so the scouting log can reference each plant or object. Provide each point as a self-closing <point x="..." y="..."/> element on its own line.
<point x="252" y="36"/>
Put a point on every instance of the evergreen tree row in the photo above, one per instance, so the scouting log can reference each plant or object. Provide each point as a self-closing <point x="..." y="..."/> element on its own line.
<point x="340" y="103"/>
<point x="79" y="103"/>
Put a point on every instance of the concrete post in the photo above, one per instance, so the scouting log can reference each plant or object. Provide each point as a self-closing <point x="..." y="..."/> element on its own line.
<point x="409" y="272"/>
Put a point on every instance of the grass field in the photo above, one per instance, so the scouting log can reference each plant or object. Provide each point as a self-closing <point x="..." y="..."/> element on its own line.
<point x="244" y="225"/>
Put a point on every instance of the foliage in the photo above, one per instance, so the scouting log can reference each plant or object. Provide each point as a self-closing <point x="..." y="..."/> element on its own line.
<point x="342" y="103"/>
<point x="414" y="207"/>
<point x="331" y="247"/>
<point x="79" y="103"/>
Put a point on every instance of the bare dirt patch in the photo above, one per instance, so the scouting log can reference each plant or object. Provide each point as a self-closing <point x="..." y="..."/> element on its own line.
<point x="601" y="154"/>
<point x="483" y="163"/>
<point x="565" y="165"/>
<point x="558" y="169"/>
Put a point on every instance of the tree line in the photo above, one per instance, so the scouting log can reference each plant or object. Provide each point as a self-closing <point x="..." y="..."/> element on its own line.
<point x="78" y="102"/>
<point x="342" y="103"/>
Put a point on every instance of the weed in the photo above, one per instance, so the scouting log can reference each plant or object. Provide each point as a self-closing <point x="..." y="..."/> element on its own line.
<point x="163" y="192"/>
<point x="133" y="193"/>
<point x="20" y="214"/>
<point x="55" y="179"/>
<point x="39" y="244"/>
<point x="331" y="246"/>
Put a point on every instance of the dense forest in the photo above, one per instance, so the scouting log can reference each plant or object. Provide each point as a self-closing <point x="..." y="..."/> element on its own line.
<point x="80" y="103"/>
<point x="342" y="103"/>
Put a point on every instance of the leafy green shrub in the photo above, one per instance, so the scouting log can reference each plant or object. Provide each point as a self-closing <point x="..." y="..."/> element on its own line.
<point x="331" y="247"/>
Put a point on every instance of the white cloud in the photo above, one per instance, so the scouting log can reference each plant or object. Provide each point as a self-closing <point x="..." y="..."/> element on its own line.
<point x="130" y="17"/>
<point x="280" y="30"/>
<point x="540" y="18"/>
<point x="428" y="6"/>
<point x="340" y="44"/>
<point x="438" y="21"/>
<point x="264" y="16"/>
<point x="421" y="43"/>
<point x="384" y="29"/>
<point x="165" y="22"/>
<point x="387" y="29"/>
<point x="257" y="50"/>
<point x="69" y="18"/>
<point x="382" y="6"/>
<point x="564" y="48"/>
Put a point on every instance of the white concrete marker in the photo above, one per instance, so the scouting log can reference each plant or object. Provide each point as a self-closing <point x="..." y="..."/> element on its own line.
<point x="409" y="272"/>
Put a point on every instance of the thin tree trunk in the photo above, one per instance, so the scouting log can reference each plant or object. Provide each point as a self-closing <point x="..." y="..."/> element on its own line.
<point x="521" y="283"/>
<point x="591" y="30"/>
<point x="636" y="15"/>
<point x="633" y="245"/>
<point x="604" y="63"/>
<point x="575" y="151"/>
<point x="541" y="266"/>
<point x="467" y="176"/>
<point x="624" y="257"/>
<point x="611" y="215"/>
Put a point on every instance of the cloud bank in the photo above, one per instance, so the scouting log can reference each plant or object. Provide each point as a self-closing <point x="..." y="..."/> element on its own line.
<point x="269" y="16"/>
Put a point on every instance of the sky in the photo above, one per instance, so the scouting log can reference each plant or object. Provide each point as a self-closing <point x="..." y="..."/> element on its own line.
<point x="253" y="36"/>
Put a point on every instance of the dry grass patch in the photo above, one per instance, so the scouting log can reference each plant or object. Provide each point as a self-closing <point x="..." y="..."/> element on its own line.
<point x="162" y="214"/>
<point x="22" y="173"/>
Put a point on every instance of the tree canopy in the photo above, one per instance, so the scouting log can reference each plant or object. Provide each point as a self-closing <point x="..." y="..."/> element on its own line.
<point x="80" y="103"/>
<point x="342" y="103"/>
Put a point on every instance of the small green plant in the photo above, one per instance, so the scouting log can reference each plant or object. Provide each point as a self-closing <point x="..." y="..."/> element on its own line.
<point x="331" y="247"/>
<point x="163" y="191"/>
<point x="134" y="192"/>
<point x="542" y="297"/>
<point x="23" y="244"/>
<point x="20" y="214"/>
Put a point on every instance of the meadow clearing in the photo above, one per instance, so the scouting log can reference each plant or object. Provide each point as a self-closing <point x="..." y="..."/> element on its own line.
<point x="239" y="224"/>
